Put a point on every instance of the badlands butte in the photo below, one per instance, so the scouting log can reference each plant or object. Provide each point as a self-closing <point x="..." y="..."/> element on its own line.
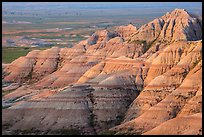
<point x="129" y="81"/>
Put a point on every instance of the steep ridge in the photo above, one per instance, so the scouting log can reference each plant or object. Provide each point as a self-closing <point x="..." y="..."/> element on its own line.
<point x="166" y="109"/>
<point x="131" y="81"/>
<point x="174" y="26"/>
<point x="126" y="31"/>
<point x="69" y="62"/>
<point x="175" y="126"/>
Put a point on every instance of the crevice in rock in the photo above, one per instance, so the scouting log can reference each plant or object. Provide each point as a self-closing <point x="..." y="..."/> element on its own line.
<point x="167" y="24"/>
<point x="29" y="77"/>
<point x="172" y="29"/>
<point x="92" y="116"/>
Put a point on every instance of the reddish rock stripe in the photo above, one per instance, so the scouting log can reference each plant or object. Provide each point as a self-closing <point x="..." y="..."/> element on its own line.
<point x="116" y="86"/>
<point x="166" y="85"/>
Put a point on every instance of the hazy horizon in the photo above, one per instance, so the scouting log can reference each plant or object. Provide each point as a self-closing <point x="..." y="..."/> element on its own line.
<point x="117" y="12"/>
<point x="191" y="6"/>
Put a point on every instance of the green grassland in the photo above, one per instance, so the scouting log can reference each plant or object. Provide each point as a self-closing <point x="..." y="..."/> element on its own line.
<point x="9" y="54"/>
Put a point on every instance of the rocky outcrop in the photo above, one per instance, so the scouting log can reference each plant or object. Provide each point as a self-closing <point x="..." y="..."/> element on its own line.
<point x="126" y="31"/>
<point x="186" y="125"/>
<point x="79" y="107"/>
<point x="180" y="25"/>
<point x="167" y="108"/>
<point x="174" y="26"/>
<point x="176" y="54"/>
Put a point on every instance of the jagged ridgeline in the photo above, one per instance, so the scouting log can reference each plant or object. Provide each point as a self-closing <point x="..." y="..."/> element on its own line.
<point x="145" y="80"/>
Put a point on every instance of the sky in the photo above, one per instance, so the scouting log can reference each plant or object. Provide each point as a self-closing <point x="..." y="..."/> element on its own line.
<point x="105" y="5"/>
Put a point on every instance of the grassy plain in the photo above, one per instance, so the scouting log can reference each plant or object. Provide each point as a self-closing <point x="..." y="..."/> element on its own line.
<point x="9" y="54"/>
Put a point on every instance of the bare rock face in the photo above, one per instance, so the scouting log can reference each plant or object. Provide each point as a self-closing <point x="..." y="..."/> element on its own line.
<point x="186" y="125"/>
<point x="126" y="31"/>
<point x="78" y="107"/>
<point x="152" y="112"/>
<point x="69" y="109"/>
<point x="91" y="73"/>
<point x="174" y="26"/>
<point x="163" y="84"/>
<point x="148" y="32"/>
<point x="33" y="66"/>
<point x="183" y="25"/>
<point x="129" y="81"/>
<point x="177" y="53"/>
<point x="100" y="36"/>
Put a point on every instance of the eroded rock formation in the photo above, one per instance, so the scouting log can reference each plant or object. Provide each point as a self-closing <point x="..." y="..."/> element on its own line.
<point x="145" y="80"/>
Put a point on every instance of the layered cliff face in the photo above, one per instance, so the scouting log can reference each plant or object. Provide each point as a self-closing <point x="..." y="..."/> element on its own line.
<point x="126" y="31"/>
<point x="127" y="81"/>
<point x="159" y="106"/>
<point x="174" y="26"/>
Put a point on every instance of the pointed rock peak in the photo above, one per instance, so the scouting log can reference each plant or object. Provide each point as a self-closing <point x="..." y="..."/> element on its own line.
<point x="126" y="31"/>
<point x="174" y="26"/>
<point x="116" y="40"/>
<point x="179" y="10"/>
<point x="104" y="31"/>
<point x="101" y="36"/>
<point x="132" y="26"/>
<point x="181" y="13"/>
